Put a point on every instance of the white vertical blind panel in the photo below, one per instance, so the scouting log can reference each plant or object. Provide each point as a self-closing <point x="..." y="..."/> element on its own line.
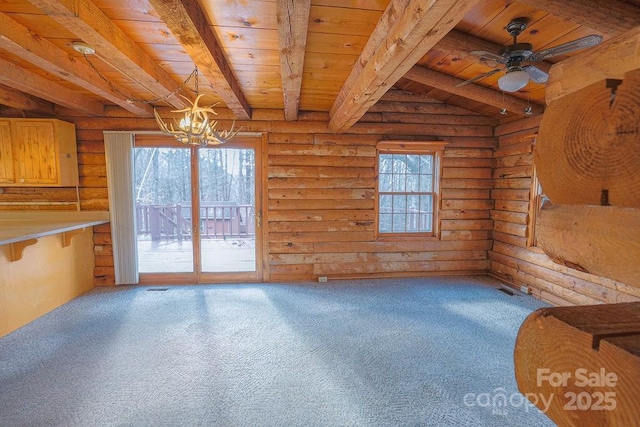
<point x="119" y="156"/>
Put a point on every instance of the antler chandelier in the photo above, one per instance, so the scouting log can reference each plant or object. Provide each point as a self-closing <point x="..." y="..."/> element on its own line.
<point x="196" y="127"/>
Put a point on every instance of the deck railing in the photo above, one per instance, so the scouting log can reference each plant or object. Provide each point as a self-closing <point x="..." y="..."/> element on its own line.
<point x="218" y="220"/>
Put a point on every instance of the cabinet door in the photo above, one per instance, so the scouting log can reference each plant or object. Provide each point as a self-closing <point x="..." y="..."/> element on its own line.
<point x="35" y="153"/>
<point x="6" y="157"/>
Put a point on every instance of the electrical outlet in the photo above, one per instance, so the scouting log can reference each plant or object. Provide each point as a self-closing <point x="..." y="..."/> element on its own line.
<point x="524" y="290"/>
<point x="322" y="279"/>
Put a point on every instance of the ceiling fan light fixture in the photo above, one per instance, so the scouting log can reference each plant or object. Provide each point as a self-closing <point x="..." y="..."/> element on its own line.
<point x="513" y="81"/>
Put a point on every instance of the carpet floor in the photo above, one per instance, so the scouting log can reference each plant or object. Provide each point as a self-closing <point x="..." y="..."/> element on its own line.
<point x="430" y="352"/>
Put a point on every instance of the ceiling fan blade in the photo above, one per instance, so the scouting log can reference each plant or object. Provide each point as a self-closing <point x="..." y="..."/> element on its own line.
<point x="536" y="74"/>
<point x="480" y="77"/>
<point x="580" y="43"/>
<point x="488" y="55"/>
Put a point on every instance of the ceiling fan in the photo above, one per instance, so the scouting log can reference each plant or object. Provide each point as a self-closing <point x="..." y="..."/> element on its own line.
<point x="517" y="75"/>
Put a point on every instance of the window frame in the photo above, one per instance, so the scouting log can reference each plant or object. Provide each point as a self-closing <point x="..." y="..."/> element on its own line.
<point x="434" y="148"/>
<point x="536" y="200"/>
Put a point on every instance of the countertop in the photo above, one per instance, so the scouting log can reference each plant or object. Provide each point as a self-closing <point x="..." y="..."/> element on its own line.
<point x="17" y="226"/>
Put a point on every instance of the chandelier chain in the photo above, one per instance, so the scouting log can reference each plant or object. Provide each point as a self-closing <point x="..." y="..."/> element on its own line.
<point x="131" y="100"/>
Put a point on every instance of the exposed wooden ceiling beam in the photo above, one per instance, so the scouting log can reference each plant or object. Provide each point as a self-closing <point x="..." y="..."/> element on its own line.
<point x="112" y="45"/>
<point x="293" y="20"/>
<point x="18" y="78"/>
<point x="478" y="93"/>
<point x="611" y="17"/>
<point x="417" y="28"/>
<point x="21" y="101"/>
<point x="187" y="22"/>
<point x="461" y="45"/>
<point x="20" y="41"/>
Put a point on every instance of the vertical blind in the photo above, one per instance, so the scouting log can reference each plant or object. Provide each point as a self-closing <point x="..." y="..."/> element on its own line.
<point x="119" y="157"/>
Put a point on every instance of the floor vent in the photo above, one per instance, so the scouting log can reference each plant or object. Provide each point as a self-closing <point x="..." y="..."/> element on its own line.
<point x="157" y="289"/>
<point x="506" y="291"/>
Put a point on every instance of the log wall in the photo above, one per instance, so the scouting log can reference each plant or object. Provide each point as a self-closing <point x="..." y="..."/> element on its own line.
<point x="511" y="259"/>
<point x="320" y="189"/>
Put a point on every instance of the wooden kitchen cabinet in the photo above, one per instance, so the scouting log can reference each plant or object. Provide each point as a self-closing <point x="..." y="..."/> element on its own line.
<point x="38" y="152"/>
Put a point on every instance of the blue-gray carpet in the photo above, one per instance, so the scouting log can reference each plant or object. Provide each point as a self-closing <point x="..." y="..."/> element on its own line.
<point x="404" y="352"/>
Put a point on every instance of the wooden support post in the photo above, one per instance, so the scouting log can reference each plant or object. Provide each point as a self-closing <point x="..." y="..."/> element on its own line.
<point x="68" y="235"/>
<point x="581" y="365"/>
<point x="17" y="249"/>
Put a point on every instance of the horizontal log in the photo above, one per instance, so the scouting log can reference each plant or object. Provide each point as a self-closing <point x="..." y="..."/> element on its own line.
<point x="478" y="173"/>
<point x="466" y="183"/>
<point x="319" y="172"/>
<point x="512" y="217"/>
<point x="509" y="228"/>
<point x="465" y="234"/>
<point x="328" y="236"/>
<point x="308" y="161"/>
<point x="516" y="195"/>
<point x="564" y="354"/>
<point x="542" y="261"/>
<point x="469" y="153"/>
<point x="330" y="269"/>
<point x="513" y="183"/>
<point x="601" y="240"/>
<point x="311" y="183"/>
<point x="284" y="204"/>
<point x="464" y="214"/>
<point x="506" y="269"/>
<point x="461" y="162"/>
<point x="358" y="260"/>
<point x="513" y="172"/>
<point x="290" y="248"/>
<point x="465" y="194"/>
<point x="316" y="194"/>
<point x="320" y="226"/>
<point x="518" y="125"/>
<point x="478" y="224"/>
<point x="467" y="204"/>
<point x="515" y="160"/>
<point x="509" y="238"/>
<point x="512" y="206"/>
<point x="322" y="215"/>
<point x="322" y="150"/>
<point x="514" y="150"/>
<point x="403" y="244"/>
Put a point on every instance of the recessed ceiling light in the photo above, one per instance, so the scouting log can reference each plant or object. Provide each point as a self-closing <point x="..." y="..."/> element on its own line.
<point x="83" y="48"/>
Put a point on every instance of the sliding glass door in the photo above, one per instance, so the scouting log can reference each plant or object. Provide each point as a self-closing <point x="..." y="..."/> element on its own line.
<point x="196" y="213"/>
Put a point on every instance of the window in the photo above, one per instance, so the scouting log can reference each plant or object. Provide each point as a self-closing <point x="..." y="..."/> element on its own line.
<point x="536" y="201"/>
<point x="408" y="187"/>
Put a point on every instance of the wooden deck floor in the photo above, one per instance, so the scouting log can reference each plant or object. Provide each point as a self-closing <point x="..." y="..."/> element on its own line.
<point x="232" y="255"/>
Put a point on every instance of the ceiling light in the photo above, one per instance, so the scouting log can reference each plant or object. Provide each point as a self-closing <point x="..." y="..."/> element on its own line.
<point x="514" y="80"/>
<point x="83" y="48"/>
<point x="196" y="127"/>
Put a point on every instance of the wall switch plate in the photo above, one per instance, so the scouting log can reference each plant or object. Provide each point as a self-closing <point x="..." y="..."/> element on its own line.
<point x="524" y="290"/>
<point x="322" y="279"/>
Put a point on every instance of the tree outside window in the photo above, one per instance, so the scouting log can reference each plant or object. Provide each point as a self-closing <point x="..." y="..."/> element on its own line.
<point x="408" y="186"/>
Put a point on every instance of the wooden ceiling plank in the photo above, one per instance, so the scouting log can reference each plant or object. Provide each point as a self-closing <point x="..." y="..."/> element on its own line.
<point x="21" y="101"/>
<point x="610" y="18"/>
<point x="477" y="93"/>
<point x="20" y="41"/>
<point x="112" y="45"/>
<point x="293" y="22"/>
<point x="189" y="25"/>
<point x="416" y="30"/>
<point x="33" y="84"/>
